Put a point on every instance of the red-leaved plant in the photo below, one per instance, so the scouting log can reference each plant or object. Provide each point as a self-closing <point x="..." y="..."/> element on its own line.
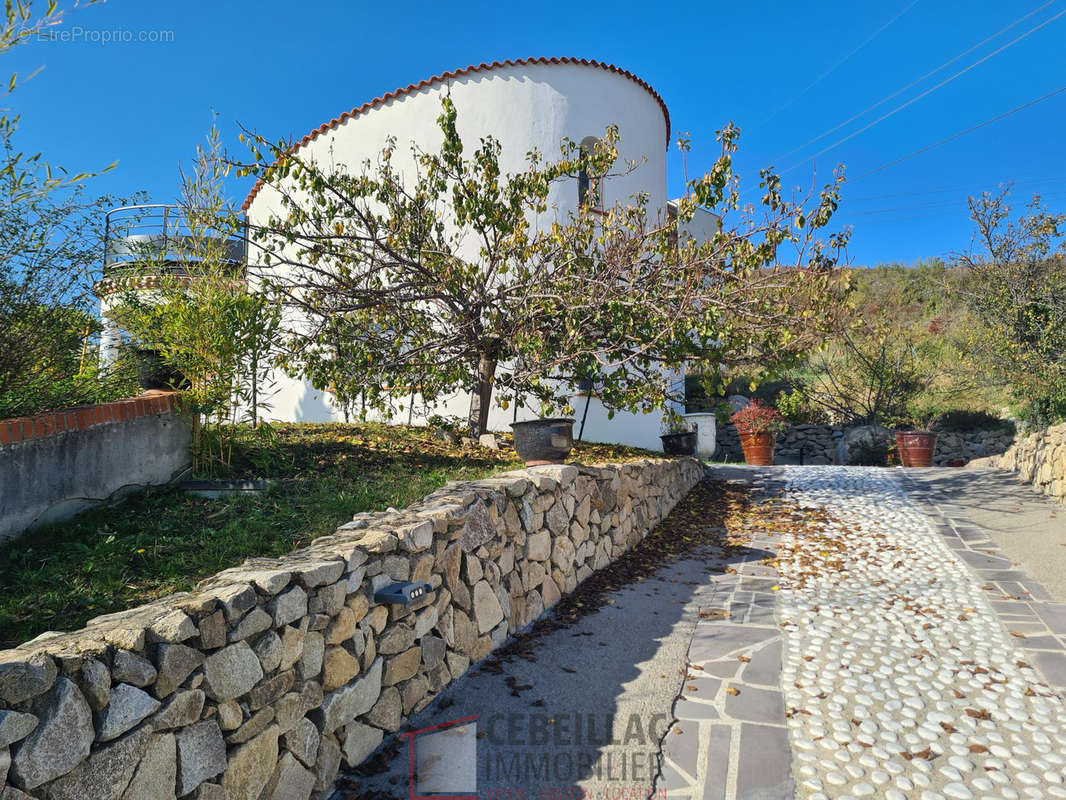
<point x="757" y="418"/>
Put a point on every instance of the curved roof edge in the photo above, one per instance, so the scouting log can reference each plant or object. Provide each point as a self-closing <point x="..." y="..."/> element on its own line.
<point x="444" y="76"/>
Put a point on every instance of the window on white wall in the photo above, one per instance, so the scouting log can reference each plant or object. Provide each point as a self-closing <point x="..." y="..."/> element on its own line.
<point x="589" y="187"/>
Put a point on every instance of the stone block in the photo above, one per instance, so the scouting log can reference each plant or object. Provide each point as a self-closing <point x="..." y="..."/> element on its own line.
<point x="201" y="755"/>
<point x="538" y="546"/>
<point x="339" y="667"/>
<point x="104" y="775"/>
<point x="250" y="766"/>
<point x="253" y="623"/>
<point x="130" y="668"/>
<point x="176" y="663"/>
<point x="213" y="631"/>
<point x="15" y="726"/>
<point x="387" y="712"/>
<point x="156" y="775"/>
<point x="288" y="606"/>
<point x="359" y="742"/>
<point x="327" y="765"/>
<point x="343" y="705"/>
<point x="183" y="709"/>
<point x="290" y="781"/>
<point x="302" y="741"/>
<point x="127" y="707"/>
<point x="477" y="529"/>
<point x="231" y="672"/>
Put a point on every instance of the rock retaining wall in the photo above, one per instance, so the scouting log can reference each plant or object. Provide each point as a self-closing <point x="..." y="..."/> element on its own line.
<point x="1039" y="458"/>
<point x="818" y="444"/>
<point x="270" y="676"/>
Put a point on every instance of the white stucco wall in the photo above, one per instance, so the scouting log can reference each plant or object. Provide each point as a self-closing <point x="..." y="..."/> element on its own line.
<point x="529" y="106"/>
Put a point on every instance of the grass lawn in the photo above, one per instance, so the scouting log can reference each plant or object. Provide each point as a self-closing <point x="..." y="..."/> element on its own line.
<point x="109" y="559"/>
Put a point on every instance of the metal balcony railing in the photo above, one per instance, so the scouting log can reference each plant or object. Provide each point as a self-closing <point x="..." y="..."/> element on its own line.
<point x="160" y="236"/>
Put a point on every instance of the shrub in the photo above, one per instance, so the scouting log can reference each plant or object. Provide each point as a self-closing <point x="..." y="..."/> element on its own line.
<point x="757" y="418"/>
<point x="963" y="420"/>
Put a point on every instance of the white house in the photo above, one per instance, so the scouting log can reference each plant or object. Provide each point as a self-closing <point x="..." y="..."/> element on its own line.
<point x="525" y="104"/>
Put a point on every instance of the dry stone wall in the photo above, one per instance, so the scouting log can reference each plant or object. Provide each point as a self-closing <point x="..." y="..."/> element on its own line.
<point x="820" y="444"/>
<point x="1039" y="458"/>
<point x="269" y="677"/>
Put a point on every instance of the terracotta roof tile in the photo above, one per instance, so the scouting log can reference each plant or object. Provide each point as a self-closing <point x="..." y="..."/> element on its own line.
<point x="444" y="76"/>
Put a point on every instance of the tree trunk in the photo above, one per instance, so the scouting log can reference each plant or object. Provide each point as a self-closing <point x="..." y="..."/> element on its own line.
<point x="481" y="400"/>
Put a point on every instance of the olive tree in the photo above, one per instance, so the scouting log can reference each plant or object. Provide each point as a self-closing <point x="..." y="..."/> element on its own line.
<point x="460" y="276"/>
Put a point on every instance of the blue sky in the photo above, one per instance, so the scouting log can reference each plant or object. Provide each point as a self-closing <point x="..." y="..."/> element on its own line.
<point x="785" y="72"/>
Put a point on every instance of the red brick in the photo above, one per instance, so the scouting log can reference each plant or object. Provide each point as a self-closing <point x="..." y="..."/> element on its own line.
<point x="85" y="417"/>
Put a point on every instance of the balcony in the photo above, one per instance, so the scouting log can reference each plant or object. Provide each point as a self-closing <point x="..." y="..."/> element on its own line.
<point x="161" y="237"/>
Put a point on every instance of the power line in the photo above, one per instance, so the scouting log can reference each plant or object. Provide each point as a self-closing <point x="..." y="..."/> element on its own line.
<point x="955" y="136"/>
<point x="926" y="93"/>
<point x="915" y="82"/>
<point x="954" y="188"/>
<point x="941" y="204"/>
<point x="839" y="63"/>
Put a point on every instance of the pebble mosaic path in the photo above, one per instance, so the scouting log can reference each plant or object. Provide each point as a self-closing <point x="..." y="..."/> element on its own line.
<point x="892" y="653"/>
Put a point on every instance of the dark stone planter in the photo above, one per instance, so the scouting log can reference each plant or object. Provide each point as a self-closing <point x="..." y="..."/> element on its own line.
<point x="679" y="444"/>
<point x="916" y="448"/>
<point x="544" y="441"/>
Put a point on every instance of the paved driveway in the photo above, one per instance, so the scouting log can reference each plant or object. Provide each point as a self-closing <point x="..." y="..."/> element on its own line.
<point x="867" y="639"/>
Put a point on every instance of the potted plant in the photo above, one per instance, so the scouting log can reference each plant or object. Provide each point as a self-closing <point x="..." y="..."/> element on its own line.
<point x="544" y="441"/>
<point x="916" y="447"/>
<point x="679" y="438"/>
<point x="914" y="441"/>
<point x="757" y="425"/>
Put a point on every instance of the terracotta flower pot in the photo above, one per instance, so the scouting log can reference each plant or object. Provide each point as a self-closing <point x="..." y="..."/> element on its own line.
<point x="916" y="448"/>
<point x="758" y="448"/>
